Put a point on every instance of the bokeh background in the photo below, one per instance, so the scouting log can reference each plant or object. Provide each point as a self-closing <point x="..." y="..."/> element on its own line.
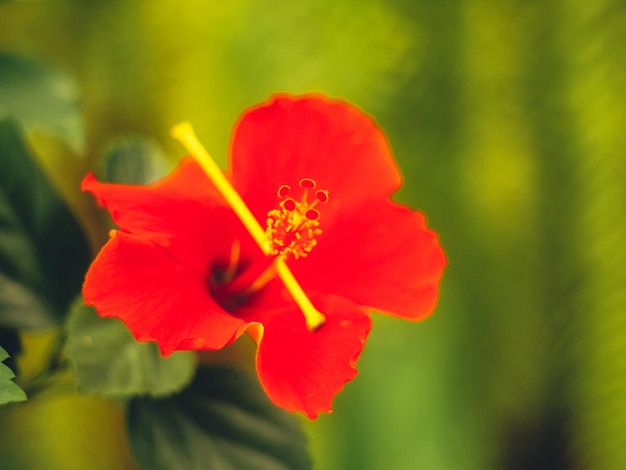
<point x="507" y="118"/>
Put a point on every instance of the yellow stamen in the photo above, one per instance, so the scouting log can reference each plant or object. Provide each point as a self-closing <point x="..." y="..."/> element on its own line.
<point x="184" y="133"/>
<point x="313" y="317"/>
<point x="235" y="251"/>
<point x="265" y="277"/>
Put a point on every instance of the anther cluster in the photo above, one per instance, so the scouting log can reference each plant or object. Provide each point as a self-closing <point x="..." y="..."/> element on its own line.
<point x="293" y="228"/>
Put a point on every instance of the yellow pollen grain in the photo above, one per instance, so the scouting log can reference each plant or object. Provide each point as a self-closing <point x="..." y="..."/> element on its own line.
<point x="185" y="134"/>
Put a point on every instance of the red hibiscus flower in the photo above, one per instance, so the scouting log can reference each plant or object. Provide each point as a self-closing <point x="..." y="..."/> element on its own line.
<point x="323" y="246"/>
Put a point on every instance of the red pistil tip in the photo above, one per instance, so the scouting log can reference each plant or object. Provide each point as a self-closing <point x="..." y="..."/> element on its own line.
<point x="307" y="183"/>
<point x="283" y="190"/>
<point x="312" y="214"/>
<point x="322" y="195"/>
<point x="289" y="205"/>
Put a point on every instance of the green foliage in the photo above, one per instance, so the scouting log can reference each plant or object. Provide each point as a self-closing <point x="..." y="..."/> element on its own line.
<point x="9" y="390"/>
<point x="108" y="360"/>
<point x="223" y="421"/>
<point x="40" y="97"/>
<point x="43" y="252"/>
<point x="133" y="160"/>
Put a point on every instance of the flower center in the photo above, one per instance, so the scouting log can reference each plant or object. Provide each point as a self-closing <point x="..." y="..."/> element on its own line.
<point x="294" y="226"/>
<point x="184" y="133"/>
<point x="234" y="284"/>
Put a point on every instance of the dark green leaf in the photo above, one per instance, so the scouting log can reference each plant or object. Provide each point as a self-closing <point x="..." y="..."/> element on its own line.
<point x="9" y="391"/>
<point x="224" y="421"/>
<point x="10" y="341"/>
<point x="134" y="160"/>
<point x="109" y="361"/>
<point x="40" y="96"/>
<point x="43" y="251"/>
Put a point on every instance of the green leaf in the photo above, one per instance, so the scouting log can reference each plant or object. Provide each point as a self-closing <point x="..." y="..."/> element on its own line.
<point x="223" y="421"/>
<point x="134" y="160"/>
<point x="40" y="96"/>
<point x="109" y="361"/>
<point x="9" y="391"/>
<point x="43" y="251"/>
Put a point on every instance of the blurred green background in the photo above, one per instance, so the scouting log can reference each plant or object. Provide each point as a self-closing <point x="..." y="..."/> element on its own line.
<point x="508" y="121"/>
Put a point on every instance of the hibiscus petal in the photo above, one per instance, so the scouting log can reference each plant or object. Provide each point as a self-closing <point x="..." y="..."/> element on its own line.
<point x="158" y="298"/>
<point x="380" y="256"/>
<point x="303" y="371"/>
<point x="182" y="212"/>
<point x="333" y="142"/>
